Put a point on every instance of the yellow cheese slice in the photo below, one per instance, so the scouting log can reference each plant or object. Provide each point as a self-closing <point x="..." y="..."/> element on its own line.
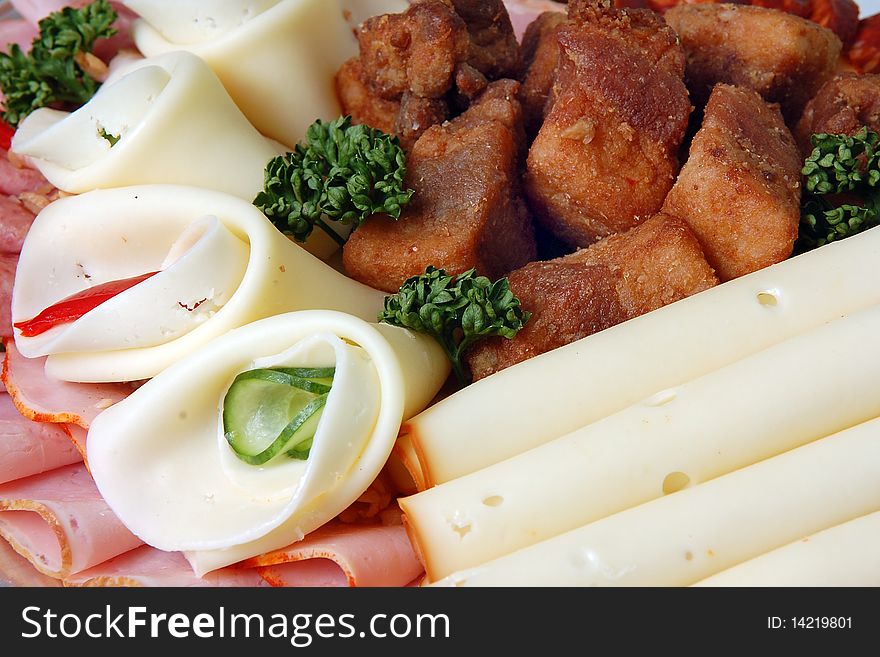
<point x="113" y="234"/>
<point x="683" y="538"/>
<point x="553" y="394"/>
<point x="805" y="388"/>
<point x="845" y="555"/>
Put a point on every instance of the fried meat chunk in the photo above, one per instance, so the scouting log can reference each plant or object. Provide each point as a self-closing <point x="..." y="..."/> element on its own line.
<point x="844" y="105"/>
<point x="783" y="57"/>
<point x="416" y="51"/>
<point x="361" y="103"/>
<point x="467" y="210"/>
<point x="740" y="188"/>
<point x="606" y="154"/>
<point x="540" y="56"/>
<point x="423" y="63"/>
<point x="616" y="279"/>
<point x="494" y="50"/>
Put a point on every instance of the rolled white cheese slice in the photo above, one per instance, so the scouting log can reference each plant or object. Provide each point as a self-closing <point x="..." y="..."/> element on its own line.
<point x="683" y="538"/>
<point x="160" y="460"/>
<point x="805" y="388"/>
<point x="553" y="394"/>
<point x="276" y="59"/>
<point x="844" y="555"/>
<point x="174" y="123"/>
<point x="235" y="268"/>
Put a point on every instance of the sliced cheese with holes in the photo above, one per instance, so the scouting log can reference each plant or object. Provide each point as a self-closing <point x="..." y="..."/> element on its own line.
<point x="690" y="535"/>
<point x="173" y="122"/>
<point x="844" y="555"/>
<point x="553" y="394"/>
<point x="161" y="461"/>
<point x="276" y="59"/>
<point x="800" y="390"/>
<point x="222" y="265"/>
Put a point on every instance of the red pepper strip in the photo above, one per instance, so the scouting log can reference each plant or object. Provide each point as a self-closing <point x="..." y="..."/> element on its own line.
<point x="6" y="132"/>
<point x="77" y="305"/>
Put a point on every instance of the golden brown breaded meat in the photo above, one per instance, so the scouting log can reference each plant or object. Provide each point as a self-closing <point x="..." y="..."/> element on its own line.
<point x="416" y="51"/>
<point x="614" y="280"/>
<point x="436" y="54"/>
<point x="494" y="50"/>
<point x="467" y="210"/>
<point x="844" y="105"/>
<point x="540" y="55"/>
<point x="360" y="102"/>
<point x="740" y="188"/>
<point x="783" y="57"/>
<point x="606" y="154"/>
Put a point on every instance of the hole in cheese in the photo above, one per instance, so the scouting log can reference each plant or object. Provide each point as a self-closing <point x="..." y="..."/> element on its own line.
<point x="768" y="298"/>
<point x="461" y="528"/>
<point x="661" y="398"/>
<point x="674" y="482"/>
<point x="493" y="500"/>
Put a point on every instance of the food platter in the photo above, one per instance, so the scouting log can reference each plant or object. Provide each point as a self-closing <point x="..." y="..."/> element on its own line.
<point x="238" y="478"/>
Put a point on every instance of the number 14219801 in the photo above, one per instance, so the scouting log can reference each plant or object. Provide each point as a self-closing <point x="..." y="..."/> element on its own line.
<point x="809" y="623"/>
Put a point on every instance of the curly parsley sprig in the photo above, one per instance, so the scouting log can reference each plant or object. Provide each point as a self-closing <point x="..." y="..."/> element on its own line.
<point x="342" y="172"/>
<point x="456" y="311"/>
<point x="841" y="188"/>
<point x="50" y="75"/>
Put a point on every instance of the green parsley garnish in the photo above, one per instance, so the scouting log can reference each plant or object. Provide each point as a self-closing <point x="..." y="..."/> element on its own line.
<point x="342" y="172"/>
<point x="841" y="188"/>
<point x="456" y="311"/>
<point x="49" y="75"/>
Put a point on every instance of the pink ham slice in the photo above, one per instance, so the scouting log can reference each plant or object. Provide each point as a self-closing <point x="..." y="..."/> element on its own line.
<point x="17" y="31"/>
<point x="523" y="12"/>
<point x="15" y="180"/>
<point x="77" y="435"/>
<point x="43" y="399"/>
<point x="8" y="263"/>
<point x="28" y="448"/>
<point x="15" y="222"/>
<point x="15" y="570"/>
<point x="60" y="523"/>
<point x="146" y="566"/>
<point x="343" y="555"/>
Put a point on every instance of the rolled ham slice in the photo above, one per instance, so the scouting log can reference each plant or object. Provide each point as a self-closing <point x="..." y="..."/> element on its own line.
<point x="8" y="262"/>
<point x="28" y="448"/>
<point x="146" y="566"/>
<point x="58" y="521"/>
<point x="44" y="399"/>
<point x="77" y="435"/>
<point x="15" y="221"/>
<point x="359" y="556"/>
<point x="15" y="570"/>
<point x="17" y="180"/>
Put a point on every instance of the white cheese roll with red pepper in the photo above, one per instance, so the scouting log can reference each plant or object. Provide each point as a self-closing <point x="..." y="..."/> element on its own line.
<point x="118" y="284"/>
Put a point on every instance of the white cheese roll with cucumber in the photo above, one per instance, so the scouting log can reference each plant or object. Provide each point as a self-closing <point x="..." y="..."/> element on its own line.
<point x="263" y="435"/>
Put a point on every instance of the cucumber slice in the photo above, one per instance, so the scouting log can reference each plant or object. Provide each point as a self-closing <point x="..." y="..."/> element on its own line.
<point x="270" y="411"/>
<point x="278" y="375"/>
